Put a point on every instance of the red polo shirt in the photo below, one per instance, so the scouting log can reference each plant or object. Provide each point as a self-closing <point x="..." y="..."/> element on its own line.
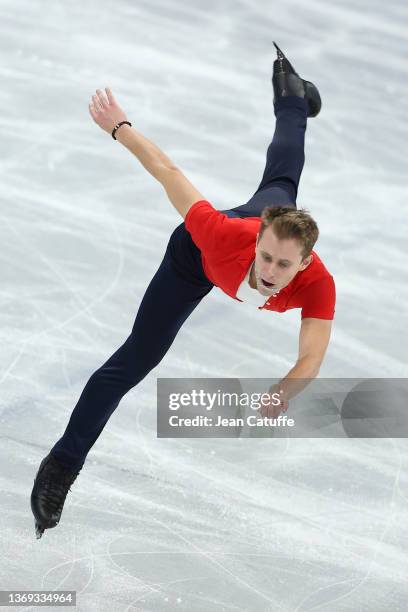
<point x="227" y="250"/>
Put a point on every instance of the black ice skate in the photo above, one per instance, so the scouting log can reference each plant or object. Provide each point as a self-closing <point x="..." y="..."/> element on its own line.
<point x="51" y="485"/>
<point x="287" y="82"/>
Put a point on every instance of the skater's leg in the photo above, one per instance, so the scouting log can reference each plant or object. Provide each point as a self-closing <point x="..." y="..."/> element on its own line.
<point x="174" y="292"/>
<point x="284" y="161"/>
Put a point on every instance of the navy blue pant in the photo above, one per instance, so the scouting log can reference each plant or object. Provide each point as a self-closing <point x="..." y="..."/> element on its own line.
<point x="181" y="280"/>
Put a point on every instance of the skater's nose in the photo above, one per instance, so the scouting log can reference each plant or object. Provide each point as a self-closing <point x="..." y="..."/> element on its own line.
<point x="270" y="272"/>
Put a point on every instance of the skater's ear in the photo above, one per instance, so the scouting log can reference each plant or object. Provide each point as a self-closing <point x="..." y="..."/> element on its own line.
<point x="306" y="262"/>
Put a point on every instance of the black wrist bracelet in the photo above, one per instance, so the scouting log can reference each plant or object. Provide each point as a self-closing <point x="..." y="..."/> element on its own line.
<point x="117" y="126"/>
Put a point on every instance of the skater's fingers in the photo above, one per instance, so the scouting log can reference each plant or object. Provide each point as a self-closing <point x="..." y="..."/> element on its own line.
<point x="97" y="104"/>
<point x="92" y="111"/>
<point x="102" y="99"/>
<point x="109" y="93"/>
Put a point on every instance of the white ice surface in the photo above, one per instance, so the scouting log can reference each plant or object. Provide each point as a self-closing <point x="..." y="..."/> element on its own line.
<point x="198" y="525"/>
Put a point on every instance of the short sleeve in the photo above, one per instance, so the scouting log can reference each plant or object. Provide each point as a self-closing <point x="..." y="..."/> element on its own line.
<point x="319" y="299"/>
<point x="211" y="230"/>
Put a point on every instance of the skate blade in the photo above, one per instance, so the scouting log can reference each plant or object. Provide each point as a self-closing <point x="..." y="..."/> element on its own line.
<point x="39" y="530"/>
<point x="279" y="50"/>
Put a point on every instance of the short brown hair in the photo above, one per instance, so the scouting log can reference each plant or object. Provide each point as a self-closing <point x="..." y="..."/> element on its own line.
<point x="291" y="223"/>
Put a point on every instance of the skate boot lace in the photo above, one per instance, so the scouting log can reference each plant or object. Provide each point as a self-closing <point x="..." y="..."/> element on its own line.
<point x="55" y="487"/>
<point x="281" y="57"/>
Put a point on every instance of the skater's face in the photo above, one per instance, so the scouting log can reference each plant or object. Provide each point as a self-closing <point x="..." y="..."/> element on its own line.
<point x="276" y="262"/>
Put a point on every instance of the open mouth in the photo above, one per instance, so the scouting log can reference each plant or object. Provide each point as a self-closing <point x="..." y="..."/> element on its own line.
<point x="268" y="284"/>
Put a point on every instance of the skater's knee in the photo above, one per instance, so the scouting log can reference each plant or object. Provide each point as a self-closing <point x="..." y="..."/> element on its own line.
<point x="125" y="373"/>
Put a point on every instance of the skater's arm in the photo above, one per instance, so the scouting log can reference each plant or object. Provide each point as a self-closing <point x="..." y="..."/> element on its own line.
<point x="181" y="193"/>
<point x="149" y="155"/>
<point x="106" y="112"/>
<point x="314" y="338"/>
<point x="313" y="342"/>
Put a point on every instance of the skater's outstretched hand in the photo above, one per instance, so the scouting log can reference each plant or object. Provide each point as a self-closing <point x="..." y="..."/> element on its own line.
<point x="105" y="111"/>
<point x="278" y="403"/>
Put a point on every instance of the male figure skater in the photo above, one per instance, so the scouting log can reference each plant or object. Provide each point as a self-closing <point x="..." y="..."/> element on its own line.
<point x="259" y="252"/>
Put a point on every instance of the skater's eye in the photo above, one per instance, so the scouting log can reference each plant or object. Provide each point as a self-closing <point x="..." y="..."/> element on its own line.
<point x="282" y="264"/>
